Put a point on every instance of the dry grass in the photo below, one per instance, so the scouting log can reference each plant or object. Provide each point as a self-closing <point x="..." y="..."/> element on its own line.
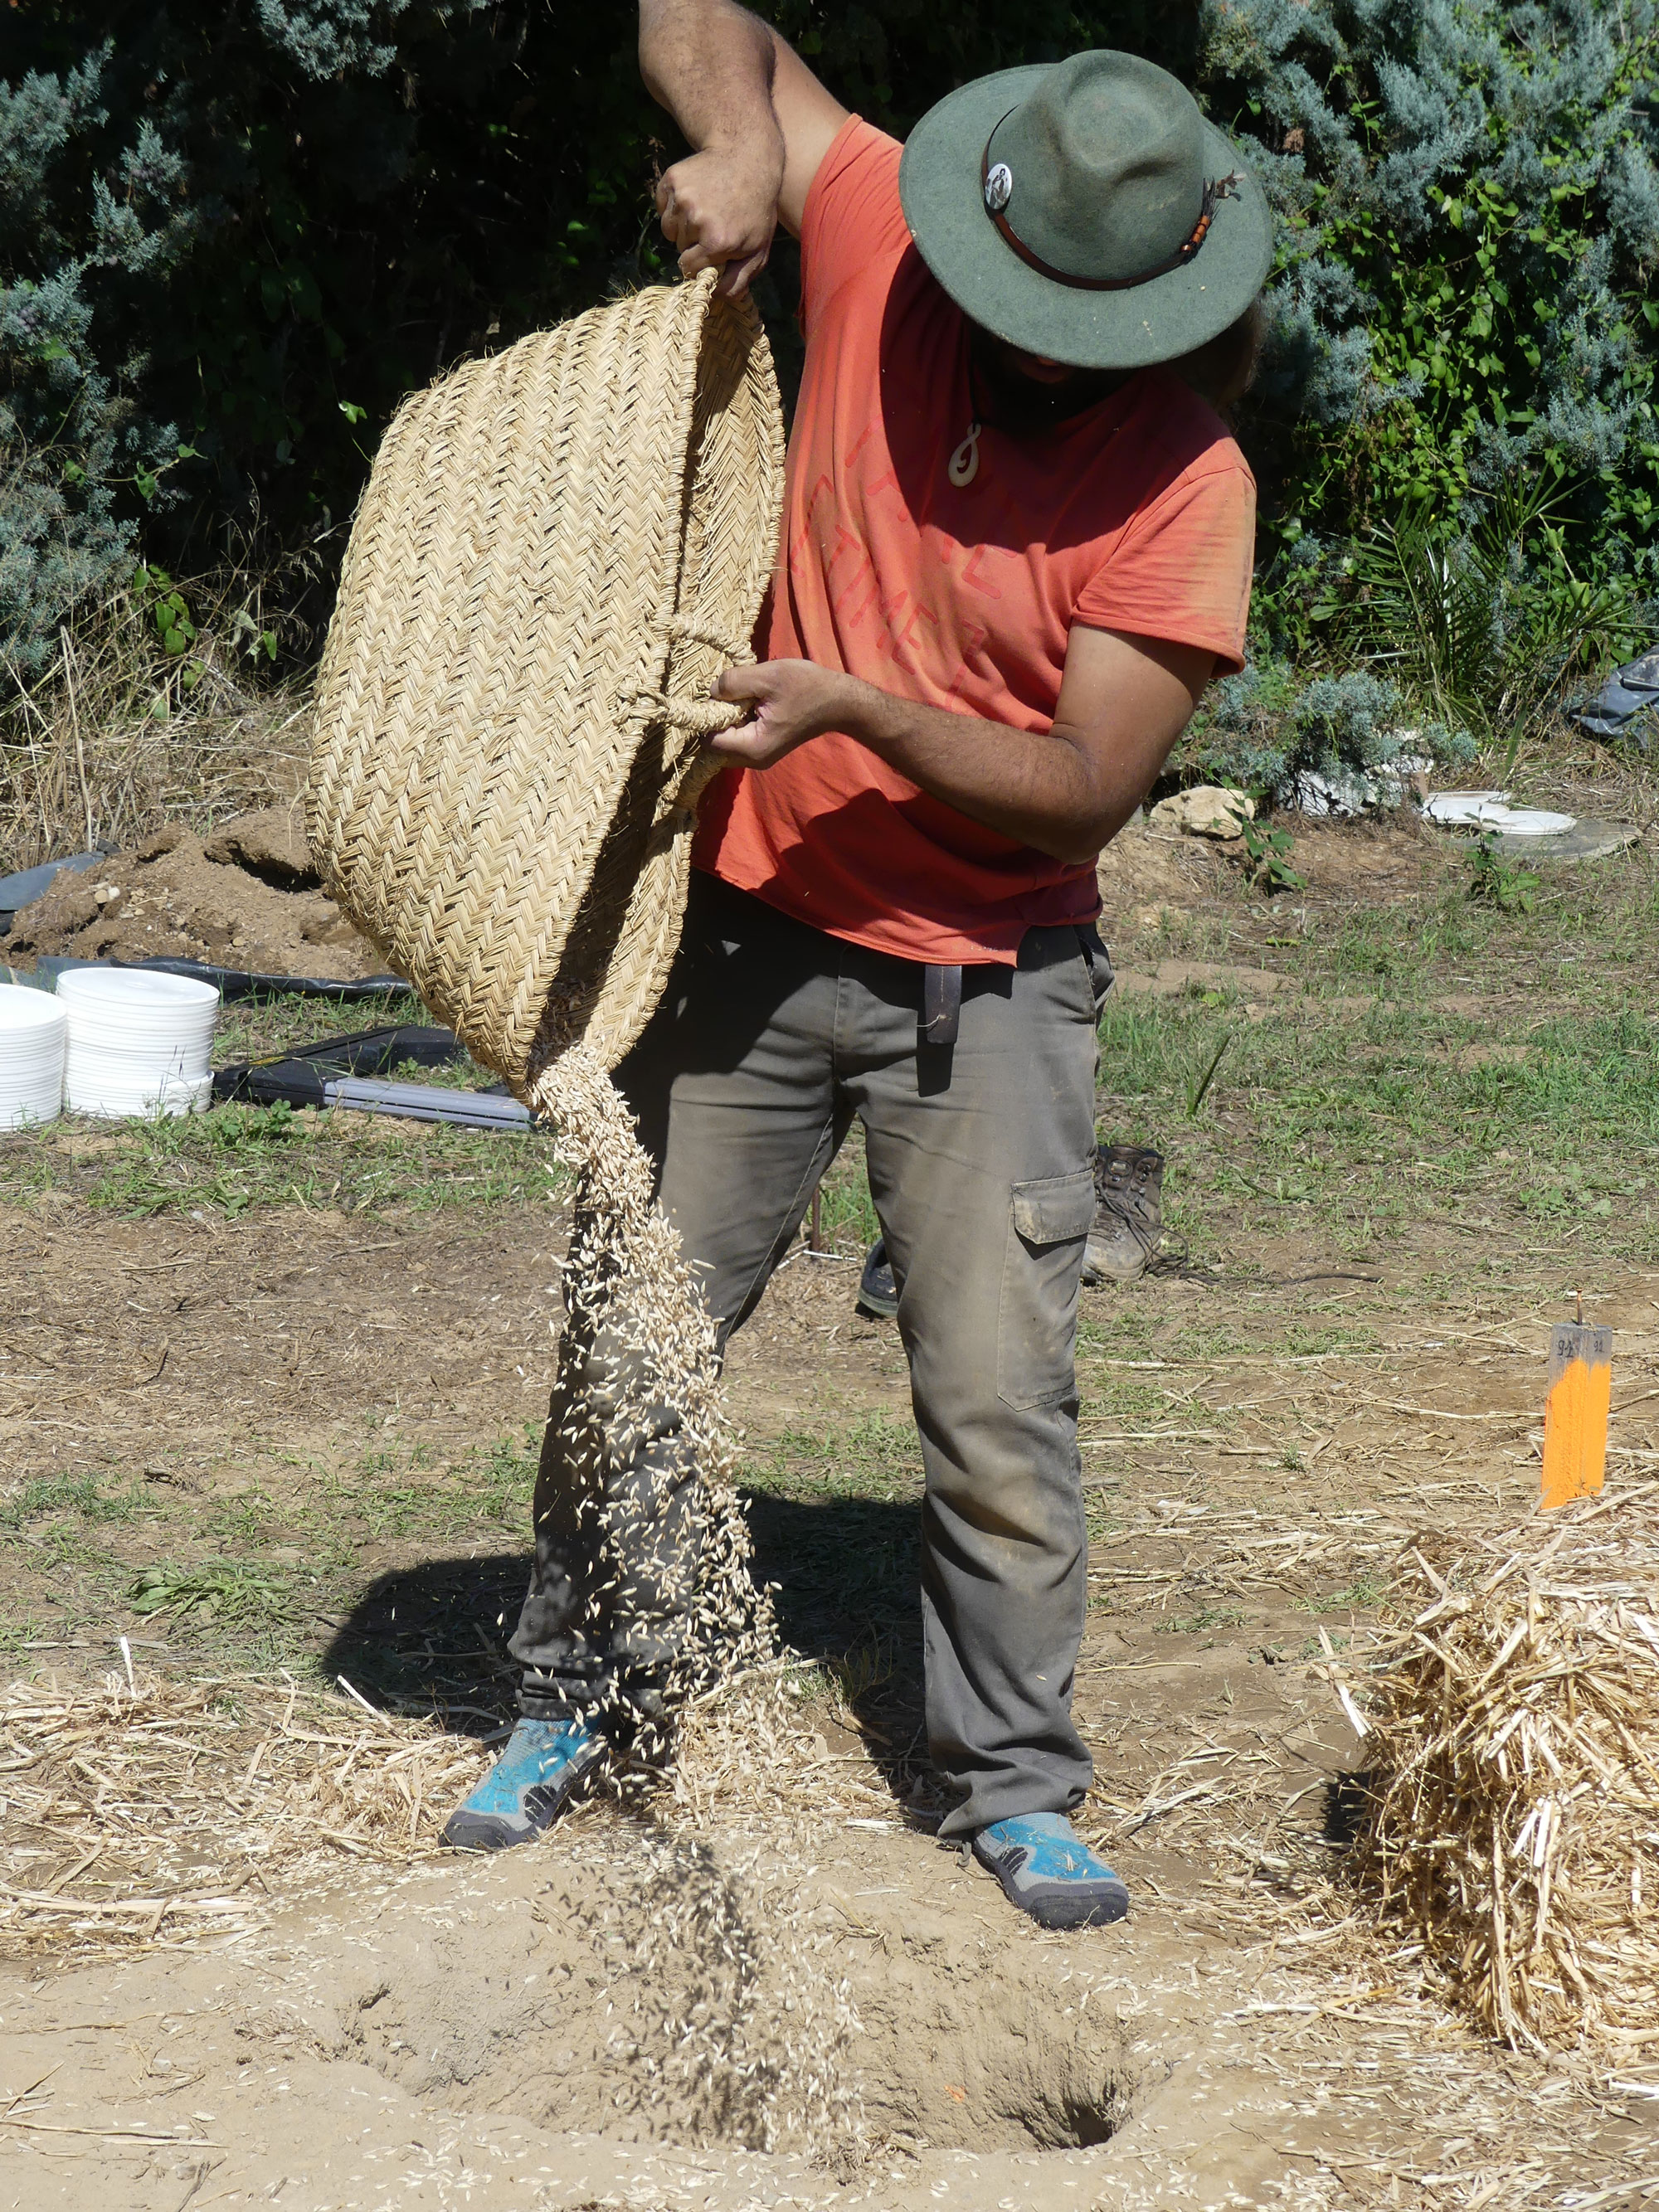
<point x="1512" y="1728"/>
<point x="121" y="735"/>
<point x="160" y="1810"/>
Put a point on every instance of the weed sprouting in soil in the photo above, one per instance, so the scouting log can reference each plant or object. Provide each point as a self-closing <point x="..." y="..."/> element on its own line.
<point x="1198" y="1084"/>
<point x="1267" y="865"/>
<point x="1499" y="882"/>
<point x="233" y="1591"/>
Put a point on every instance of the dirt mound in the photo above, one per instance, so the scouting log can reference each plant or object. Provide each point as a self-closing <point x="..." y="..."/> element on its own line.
<point x="247" y="898"/>
<point x="1146" y="871"/>
<point x="270" y="844"/>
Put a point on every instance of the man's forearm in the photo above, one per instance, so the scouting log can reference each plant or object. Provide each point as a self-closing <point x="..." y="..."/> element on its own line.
<point x="1034" y="786"/>
<point x="710" y="63"/>
<point x="1066" y="790"/>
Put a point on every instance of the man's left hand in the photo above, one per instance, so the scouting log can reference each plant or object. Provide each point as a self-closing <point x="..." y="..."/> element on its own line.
<point x="718" y="207"/>
<point x="789" y="702"/>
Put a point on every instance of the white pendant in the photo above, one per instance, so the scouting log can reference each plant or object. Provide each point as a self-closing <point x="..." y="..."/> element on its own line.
<point x="964" y="462"/>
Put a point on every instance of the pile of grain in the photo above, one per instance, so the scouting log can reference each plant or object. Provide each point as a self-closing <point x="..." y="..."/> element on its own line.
<point x="1511" y="1813"/>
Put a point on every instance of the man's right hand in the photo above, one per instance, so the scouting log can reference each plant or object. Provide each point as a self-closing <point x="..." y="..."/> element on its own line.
<point x="719" y="208"/>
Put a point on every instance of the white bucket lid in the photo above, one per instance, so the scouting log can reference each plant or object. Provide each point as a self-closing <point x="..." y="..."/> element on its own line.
<point x="108" y="1099"/>
<point x="1491" y="810"/>
<point x="26" y="1014"/>
<point x="136" y="988"/>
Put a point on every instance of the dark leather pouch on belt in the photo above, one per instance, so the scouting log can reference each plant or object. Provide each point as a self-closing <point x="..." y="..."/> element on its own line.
<point x="941" y="1004"/>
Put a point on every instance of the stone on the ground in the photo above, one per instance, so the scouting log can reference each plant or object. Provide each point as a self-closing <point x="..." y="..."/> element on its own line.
<point x="1206" y="811"/>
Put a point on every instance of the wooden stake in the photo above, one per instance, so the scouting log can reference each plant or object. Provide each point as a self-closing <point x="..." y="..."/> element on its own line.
<point x="1576" y="1411"/>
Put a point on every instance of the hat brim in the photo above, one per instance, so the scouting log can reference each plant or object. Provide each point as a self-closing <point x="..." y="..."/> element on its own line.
<point x="1159" y="320"/>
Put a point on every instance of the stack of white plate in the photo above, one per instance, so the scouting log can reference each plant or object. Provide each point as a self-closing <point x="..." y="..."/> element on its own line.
<point x="139" y="1043"/>
<point x="32" y="1029"/>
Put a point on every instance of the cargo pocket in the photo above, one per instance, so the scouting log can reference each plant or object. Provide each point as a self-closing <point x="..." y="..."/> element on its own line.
<point x="1036" y="1323"/>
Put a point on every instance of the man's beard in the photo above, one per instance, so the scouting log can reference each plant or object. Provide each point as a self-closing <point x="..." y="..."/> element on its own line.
<point x="1020" y="405"/>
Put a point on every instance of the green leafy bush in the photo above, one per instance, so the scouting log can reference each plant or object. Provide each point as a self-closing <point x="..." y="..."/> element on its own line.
<point x="233" y="237"/>
<point x="1268" y="726"/>
<point x="1455" y="424"/>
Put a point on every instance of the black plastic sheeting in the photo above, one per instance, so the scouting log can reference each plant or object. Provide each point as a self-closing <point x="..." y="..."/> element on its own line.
<point x="341" y="1072"/>
<point x="1629" y="693"/>
<point x="237" y="983"/>
<point x="297" y="1077"/>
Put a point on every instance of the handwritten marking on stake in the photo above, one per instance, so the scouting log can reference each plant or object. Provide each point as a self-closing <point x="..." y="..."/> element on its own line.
<point x="1575" y="1413"/>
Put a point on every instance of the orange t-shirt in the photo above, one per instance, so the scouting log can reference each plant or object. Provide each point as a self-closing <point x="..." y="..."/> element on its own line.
<point x="1137" y="515"/>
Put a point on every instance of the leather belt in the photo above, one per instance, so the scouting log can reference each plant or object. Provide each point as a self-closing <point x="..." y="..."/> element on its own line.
<point x="941" y="1004"/>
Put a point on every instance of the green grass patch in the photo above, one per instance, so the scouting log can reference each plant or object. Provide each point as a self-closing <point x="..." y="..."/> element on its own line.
<point x="1366" y="1593"/>
<point x="239" y="1159"/>
<point x="1397" y="1114"/>
<point x="265" y="1028"/>
<point x="873" y="1457"/>
<point x="212" y="1589"/>
<point x="1194" y="1624"/>
<point x="79" y="1495"/>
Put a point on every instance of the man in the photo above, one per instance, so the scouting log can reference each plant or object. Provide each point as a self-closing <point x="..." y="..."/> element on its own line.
<point x="1015" y="548"/>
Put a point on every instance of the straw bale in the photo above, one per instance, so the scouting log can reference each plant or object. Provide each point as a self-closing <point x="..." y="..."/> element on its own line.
<point x="1510" y="1811"/>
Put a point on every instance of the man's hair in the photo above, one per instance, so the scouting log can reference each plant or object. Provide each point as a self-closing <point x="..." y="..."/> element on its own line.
<point x="1222" y="369"/>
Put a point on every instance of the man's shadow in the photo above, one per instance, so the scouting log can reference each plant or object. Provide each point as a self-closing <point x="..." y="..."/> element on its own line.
<point x="432" y="1639"/>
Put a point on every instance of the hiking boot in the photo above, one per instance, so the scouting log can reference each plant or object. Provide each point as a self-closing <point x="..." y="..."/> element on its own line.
<point x="1129" y="1213"/>
<point x="542" y="1769"/>
<point x="878" y="1292"/>
<point x="1048" y="1870"/>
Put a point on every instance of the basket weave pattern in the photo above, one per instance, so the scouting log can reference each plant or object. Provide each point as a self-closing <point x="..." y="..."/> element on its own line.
<point x="557" y="551"/>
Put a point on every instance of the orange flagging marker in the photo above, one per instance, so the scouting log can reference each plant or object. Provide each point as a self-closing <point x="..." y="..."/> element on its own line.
<point x="1576" y="1411"/>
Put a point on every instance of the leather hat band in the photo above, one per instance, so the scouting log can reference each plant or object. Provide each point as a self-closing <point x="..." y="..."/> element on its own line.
<point x="1223" y="188"/>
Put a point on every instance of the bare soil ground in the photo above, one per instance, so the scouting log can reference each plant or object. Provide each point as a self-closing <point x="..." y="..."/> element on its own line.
<point x="268" y="1396"/>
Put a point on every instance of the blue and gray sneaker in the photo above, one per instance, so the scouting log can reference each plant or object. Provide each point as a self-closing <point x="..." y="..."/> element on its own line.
<point x="1046" y="1870"/>
<point x="541" y="1770"/>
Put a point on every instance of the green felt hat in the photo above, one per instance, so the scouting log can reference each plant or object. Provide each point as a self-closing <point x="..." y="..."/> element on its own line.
<point x="1085" y="209"/>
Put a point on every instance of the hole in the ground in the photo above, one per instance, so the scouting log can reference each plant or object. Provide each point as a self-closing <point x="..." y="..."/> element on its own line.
<point x="652" y="1992"/>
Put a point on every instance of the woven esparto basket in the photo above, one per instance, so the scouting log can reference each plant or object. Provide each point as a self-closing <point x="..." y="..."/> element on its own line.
<point x="557" y="551"/>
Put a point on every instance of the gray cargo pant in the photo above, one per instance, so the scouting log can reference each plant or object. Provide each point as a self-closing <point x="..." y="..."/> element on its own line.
<point x="770" y="1037"/>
